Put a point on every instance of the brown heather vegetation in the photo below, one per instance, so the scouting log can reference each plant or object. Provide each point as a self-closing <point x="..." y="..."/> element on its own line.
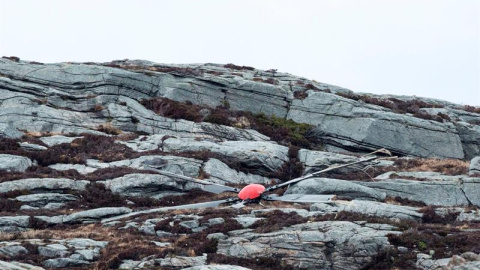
<point x="444" y="166"/>
<point x="400" y="106"/>
<point x="276" y="220"/>
<point x="235" y="67"/>
<point x="78" y="151"/>
<point x="286" y="132"/>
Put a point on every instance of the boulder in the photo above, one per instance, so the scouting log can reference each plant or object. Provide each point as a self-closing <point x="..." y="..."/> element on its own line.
<point x="18" y="266"/>
<point x="12" y="250"/>
<point x="219" y="172"/>
<point x="31" y="146"/>
<point x="474" y="166"/>
<point x="64" y="262"/>
<point x="182" y="261"/>
<point x="11" y="163"/>
<point x="43" y="184"/>
<point x="95" y="214"/>
<point x="53" y="250"/>
<point x="57" y="139"/>
<point x="43" y="199"/>
<point x="147" y="185"/>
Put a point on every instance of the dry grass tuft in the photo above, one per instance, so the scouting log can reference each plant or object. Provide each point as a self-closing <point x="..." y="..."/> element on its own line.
<point x="444" y="166"/>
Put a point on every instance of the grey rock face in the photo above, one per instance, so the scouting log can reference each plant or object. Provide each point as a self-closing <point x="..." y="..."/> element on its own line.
<point x="64" y="262"/>
<point x="95" y="214"/>
<point x="53" y="250"/>
<point x="57" y="139"/>
<point x="253" y="154"/>
<point x="183" y="261"/>
<point x="442" y="193"/>
<point x="11" y="163"/>
<point x="62" y="97"/>
<point x="474" y="166"/>
<point x="12" y="250"/>
<point x="348" y="123"/>
<point x="220" y="173"/>
<point x="43" y="184"/>
<point x="316" y="245"/>
<point x="7" y="131"/>
<point x="32" y="147"/>
<point x="340" y="188"/>
<point x="42" y="199"/>
<point x="13" y="223"/>
<point x="18" y="266"/>
<point x="144" y="185"/>
<point x="377" y="209"/>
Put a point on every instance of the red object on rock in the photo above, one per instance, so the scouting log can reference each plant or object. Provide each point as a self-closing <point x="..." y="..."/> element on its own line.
<point x="251" y="192"/>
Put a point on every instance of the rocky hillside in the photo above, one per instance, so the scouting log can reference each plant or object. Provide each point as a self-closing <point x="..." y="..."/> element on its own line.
<point x="74" y="192"/>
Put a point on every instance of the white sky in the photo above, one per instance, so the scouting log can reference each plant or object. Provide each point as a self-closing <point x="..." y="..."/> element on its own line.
<point x="427" y="48"/>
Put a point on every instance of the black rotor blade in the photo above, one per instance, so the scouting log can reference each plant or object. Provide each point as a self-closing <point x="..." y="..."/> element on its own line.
<point x="167" y="208"/>
<point x="301" y="198"/>
<point x="202" y="204"/>
<point x="207" y="186"/>
<point x="316" y="174"/>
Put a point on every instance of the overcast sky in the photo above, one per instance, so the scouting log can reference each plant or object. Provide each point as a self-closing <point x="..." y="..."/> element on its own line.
<point x="406" y="47"/>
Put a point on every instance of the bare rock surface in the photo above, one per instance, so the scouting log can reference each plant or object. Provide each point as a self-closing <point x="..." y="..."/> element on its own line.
<point x="18" y="266"/>
<point x="57" y="139"/>
<point x="14" y="163"/>
<point x="376" y="209"/>
<point x="43" y="184"/>
<point x="336" y="245"/>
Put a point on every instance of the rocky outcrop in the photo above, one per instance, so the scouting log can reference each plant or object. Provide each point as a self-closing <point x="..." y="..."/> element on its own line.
<point x="14" y="163"/>
<point x="370" y="208"/>
<point x="342" y="188"/>
<point x="442" y="193"/>
<point x="76" y="98"/>
<point x="320" y="245"/>
<point x="43" y="184"/>
<point x="97" y="188"/>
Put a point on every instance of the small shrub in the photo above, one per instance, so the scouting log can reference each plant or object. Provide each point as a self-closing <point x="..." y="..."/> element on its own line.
<point x="98" y="108"/>
<point x="235" y="67"/>
<point x="271" y="81"/>
<point x="430" y="216"/>
<point x="96" y="195"/>
<point x="9" y="205"/>
<point x="13" y="58"/>
<point x="300" y="95"/>
<point x="472" y="109"/>
<point x="108" y="128"/>
<point x="276" y="220"/>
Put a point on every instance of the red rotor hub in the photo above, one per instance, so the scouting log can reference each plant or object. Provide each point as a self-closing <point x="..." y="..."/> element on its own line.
<point x="252" y="191"/>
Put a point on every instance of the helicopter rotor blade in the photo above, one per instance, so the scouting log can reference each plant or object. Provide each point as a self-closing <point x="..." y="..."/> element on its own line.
<point x="207" y="186"/>
<point x="331" y="168"/>
<point x="301" y="198"/>
<point x="167" y="208"/>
